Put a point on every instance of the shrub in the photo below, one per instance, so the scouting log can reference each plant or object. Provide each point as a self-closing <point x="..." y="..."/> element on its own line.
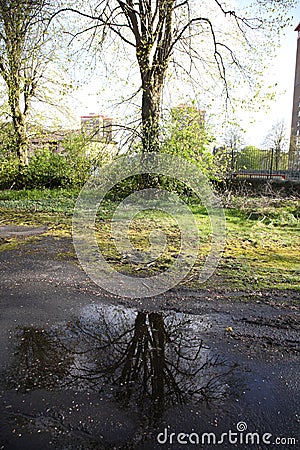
<point x="9" y="170"/>
<point x="46" y="169"/>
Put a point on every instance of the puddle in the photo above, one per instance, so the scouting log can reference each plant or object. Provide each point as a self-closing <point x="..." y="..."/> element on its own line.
<point x="115" y="377"/>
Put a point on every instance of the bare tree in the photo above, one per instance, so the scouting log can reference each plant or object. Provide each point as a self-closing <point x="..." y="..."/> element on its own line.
<point x="277" y="141"/>
<point x="233" y="142"/>
<point x="22" y="37"/>
<point x="157" y="30"/>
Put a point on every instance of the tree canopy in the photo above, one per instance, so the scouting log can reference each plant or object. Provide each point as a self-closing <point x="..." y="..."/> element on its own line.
<point x="185" y="33"/>
<point x="23" y="34"/>
<point x="207" y="39"/>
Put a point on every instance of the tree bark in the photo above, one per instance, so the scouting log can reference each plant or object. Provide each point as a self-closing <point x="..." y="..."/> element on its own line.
<point x="21" y="37"/>
<point x="151" y="100"/>
<point x="19" y="124"/>
<point x="22" y="142"/>
<point x="152" y="69"/>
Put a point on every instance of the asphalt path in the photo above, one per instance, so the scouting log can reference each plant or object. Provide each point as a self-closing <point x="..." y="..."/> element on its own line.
<point x="57" y="393"/>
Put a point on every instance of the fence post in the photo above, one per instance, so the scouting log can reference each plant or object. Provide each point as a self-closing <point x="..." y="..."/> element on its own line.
<point x="271" y="163"/>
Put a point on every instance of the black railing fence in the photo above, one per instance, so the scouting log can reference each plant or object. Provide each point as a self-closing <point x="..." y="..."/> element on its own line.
<point x="252" y="162"/>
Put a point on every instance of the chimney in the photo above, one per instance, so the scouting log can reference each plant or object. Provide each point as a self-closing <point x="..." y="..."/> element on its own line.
<point x="295" y="128"/>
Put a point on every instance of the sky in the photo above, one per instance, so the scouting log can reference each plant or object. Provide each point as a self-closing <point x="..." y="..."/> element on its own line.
<point x="96" y="95"/>
<point x="282" y="71"/>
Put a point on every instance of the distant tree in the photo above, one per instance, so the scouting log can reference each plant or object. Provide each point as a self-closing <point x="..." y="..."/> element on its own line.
<point x="22" y="37"/>
<point x="252" y="158"/>
<point x="277" y="141"/>
<point x="187" y="137"/>
<point x="233" y="141"/>
<point x="234" y="137"/>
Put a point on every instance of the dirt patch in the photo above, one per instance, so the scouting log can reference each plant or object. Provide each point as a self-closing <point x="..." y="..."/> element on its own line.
<point x="13" y="231"/>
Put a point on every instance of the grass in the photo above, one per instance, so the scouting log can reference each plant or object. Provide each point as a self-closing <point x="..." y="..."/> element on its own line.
<point x="262" y="244"/>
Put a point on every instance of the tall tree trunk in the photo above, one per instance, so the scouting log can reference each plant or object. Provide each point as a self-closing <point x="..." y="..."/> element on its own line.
<point x="151" y="100"/>
<point x="152" y="85"/>
<point x="277" y="157"/>
<point x="19" y="124"/>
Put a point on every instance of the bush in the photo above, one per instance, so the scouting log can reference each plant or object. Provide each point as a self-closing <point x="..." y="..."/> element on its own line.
<point x="45" y="170"/>
<point x="69" y="169"/>
<point x="9" y="170"/>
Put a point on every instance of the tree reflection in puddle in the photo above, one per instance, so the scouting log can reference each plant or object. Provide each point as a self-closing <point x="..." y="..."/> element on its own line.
<point x="148" y="362"/>
<point x="142" y="361"/>
<point x="40" y="360"/>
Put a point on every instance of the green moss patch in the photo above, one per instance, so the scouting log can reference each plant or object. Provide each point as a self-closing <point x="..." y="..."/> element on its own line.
<point x="262" y="237"/>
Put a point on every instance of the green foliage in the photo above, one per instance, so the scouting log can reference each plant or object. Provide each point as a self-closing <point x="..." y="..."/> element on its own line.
<point x="253" y="158"/>
<point x="78" y="164"/>
<point x="37" y="195"/>
<point x="250" y="157"/>
<point x="52" y="170"/>
<point x="187" y="137"/>
<point x="7" y="139"/>
<point x="9" y="171"/>
<point x="68" y="169"/>
<point x="46" y="169"/>
<point x="9" y="165"/>
<point x="123" y="188"/>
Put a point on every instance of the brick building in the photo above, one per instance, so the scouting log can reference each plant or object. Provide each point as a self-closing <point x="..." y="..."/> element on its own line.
<point x="97" y="127"/>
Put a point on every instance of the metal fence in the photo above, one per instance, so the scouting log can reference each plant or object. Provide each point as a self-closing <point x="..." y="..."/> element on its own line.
<point x="269" y="164"/>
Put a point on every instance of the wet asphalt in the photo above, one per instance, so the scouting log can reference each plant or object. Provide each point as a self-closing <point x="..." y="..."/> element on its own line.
<point x="82" y="369"/>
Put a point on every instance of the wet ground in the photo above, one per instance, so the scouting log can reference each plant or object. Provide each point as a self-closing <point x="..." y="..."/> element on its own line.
<point x="81" y="369"/>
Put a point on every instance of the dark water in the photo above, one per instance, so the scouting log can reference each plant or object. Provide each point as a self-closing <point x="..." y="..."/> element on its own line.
<point x="120" y="378"/>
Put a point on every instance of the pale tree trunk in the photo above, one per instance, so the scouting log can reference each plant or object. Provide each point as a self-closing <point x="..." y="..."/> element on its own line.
<point x="21" y="38"/>
<point x="19" y="123"/>
<point x="277" y="157"/>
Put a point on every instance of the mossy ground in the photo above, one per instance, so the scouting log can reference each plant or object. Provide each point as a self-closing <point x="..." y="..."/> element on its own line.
<point x="262" y="237"/>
